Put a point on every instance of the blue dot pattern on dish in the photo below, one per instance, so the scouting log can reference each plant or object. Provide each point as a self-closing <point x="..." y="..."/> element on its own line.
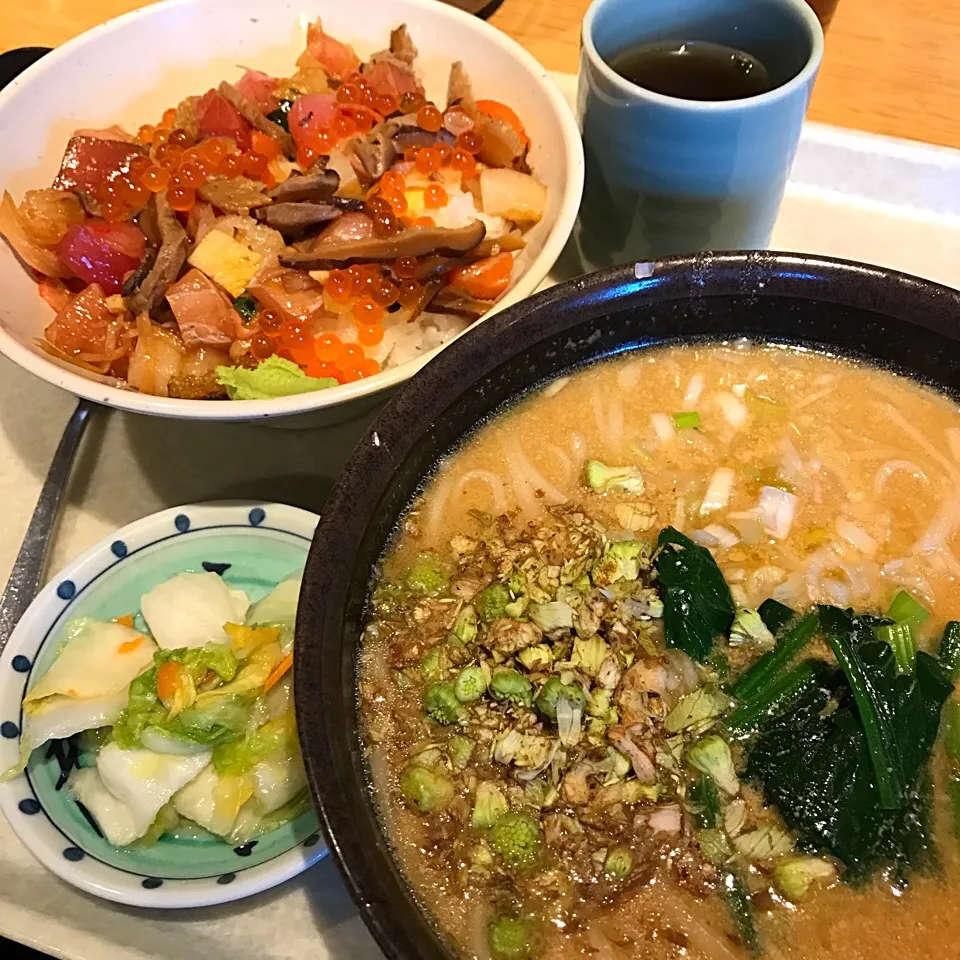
<point x="311" y="841"/>
<point x="218" y="568"/>
<point x="67" y="590"/>
<point x="226" y="878"/>
<point x="119" y="548"/>
<point x="73" y="854"/>
<point x="8" y="729"/>
<point x="20" y="663"/>
<point x="257" y="516"/>
<point x="151" y="883"/>
<point x="245" y="849"/>
<point x="182" y="522"/>
<point x="29" y="806"/>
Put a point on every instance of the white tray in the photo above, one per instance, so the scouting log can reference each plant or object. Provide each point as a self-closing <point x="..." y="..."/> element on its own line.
<point x="851" y="195"/>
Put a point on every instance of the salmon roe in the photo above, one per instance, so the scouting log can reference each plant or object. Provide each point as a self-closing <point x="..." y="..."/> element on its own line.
<point x="146" y="132"/>
<point x="429" y="118"/>
<point x="465" y="163"/>
<point x="155" y="179"/>
<point x="428" y="160"/>
<point x="270" y="321"/>
<point x="367" y="311"/>
<point x="261" y="347"/>
<point x="328" y="348"/>
<point x="470" y="142"/>
<point x="181" y="198"/>
<point x="370" y="335"/>
<point x="409" y="293"/>
<point x="406" y="267"/>
<point x="434" y="197"/>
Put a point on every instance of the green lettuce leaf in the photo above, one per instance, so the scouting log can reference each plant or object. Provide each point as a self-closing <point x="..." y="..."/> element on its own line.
<point x="273" y="377"/>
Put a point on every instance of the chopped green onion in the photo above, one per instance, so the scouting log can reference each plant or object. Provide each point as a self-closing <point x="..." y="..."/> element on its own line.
<point x="907" y="609"/>
<point x="772" y="698"/>
<point x="738" y="903"/>
<point x="769" y="666"/>
<point x="951" y="728"/>
<point x="950" y="649"/>
<point x="953" y="790"/>
<point x="706" y="802"/>
<point x="887" y="766"/>
<point x="246" y="306"/>
<point x="903" y="643"/>
<point x="687" y="420"/>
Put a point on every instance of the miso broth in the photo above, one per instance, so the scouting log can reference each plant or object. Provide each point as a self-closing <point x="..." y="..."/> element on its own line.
<point x="583" y="743"/>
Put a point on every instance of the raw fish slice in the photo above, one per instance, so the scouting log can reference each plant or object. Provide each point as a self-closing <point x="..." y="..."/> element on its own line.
<point x="100" y="658"/>
<point x="190" y="609"/>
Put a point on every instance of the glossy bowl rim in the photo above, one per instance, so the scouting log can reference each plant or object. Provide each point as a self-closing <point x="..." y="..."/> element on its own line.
<point x="245" y="410"/>
<point x="393" y="434"/>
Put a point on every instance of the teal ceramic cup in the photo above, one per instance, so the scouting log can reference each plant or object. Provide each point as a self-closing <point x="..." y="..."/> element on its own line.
<point x="666" y="175"/>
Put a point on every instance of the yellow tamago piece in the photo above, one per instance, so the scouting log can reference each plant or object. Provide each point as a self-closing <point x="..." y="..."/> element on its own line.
<point x="226" y="261"/>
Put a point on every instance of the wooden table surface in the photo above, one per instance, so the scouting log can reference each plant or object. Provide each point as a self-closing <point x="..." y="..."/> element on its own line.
<point x="891" y="66"/>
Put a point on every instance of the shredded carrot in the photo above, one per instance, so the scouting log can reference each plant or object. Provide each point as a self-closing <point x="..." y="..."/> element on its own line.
<point x="129" y="645"/>
<point x="126" y="620"/>
<point x="168" y="680"/>
<point x="278" y="671"/>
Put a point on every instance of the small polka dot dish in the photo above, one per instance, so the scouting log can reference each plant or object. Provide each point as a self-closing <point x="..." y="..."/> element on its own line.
<point x="55" y="790"/>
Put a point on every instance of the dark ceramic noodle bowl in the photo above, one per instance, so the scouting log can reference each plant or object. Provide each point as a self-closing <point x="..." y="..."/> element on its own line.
<point x="906" y="324"/>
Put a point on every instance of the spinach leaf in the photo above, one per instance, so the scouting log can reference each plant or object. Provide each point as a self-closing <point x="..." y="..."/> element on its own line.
<point x="697" y="606"/>
<point x="775" y="615"/>
<point x="814" y="764"/>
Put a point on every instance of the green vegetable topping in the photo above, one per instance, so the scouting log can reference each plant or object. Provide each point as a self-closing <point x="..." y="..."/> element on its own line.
<point x="460" y="750"/>
<point x="775" y="615"/>
<point x="273" y="377"/>
<point x="712" y="756"/>
<point x="465" y="628"/>
<point x="492" y="602"/>
<point x="434" y="664"/>
<point x="702" y="706"/>
<point x="536" y="658"/>
<point x="552" y="691"/>
<point x="774" y="698"/>
<point x="588" y="655"/>
<point x="715" y="846"/>
<point x="441" y="705"/>
<point x="950" y="649"/>
<point x="621" y="560"/>
<point x="770" y="665"/>
<point x="551" y="617"/>
<point x="511" y="938"/>
<point x="602" y="478"/>
<point x="749" y="628"/>
<point x="902" y="642"/>
<point x="618" y="863"/>
<point x="516" y="838"/>
<point x="687" y="420"/>
<point x="697" y="606"/>
<point x="471" y="684"/>
<point x="489" y="806"/>
<point x="246" y="306"/>
<point x="795" y="875"/>
<point x="427" y="789"/>
<point x="905" y="608"/>
<point x="765" y="843"/>
<point x="509" y="684"/>
<point x="427" y="576"/>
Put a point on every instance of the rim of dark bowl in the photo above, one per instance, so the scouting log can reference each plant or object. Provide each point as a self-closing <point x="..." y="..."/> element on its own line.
<point x="325" y="682"/>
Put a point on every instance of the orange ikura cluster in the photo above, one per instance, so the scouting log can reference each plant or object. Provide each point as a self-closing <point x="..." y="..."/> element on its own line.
<point x="180" y="166"/>
<point x="362" y="291"/>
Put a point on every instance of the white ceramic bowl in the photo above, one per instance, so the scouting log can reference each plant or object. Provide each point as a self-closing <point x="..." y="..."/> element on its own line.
<point x="131" y="69"/>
